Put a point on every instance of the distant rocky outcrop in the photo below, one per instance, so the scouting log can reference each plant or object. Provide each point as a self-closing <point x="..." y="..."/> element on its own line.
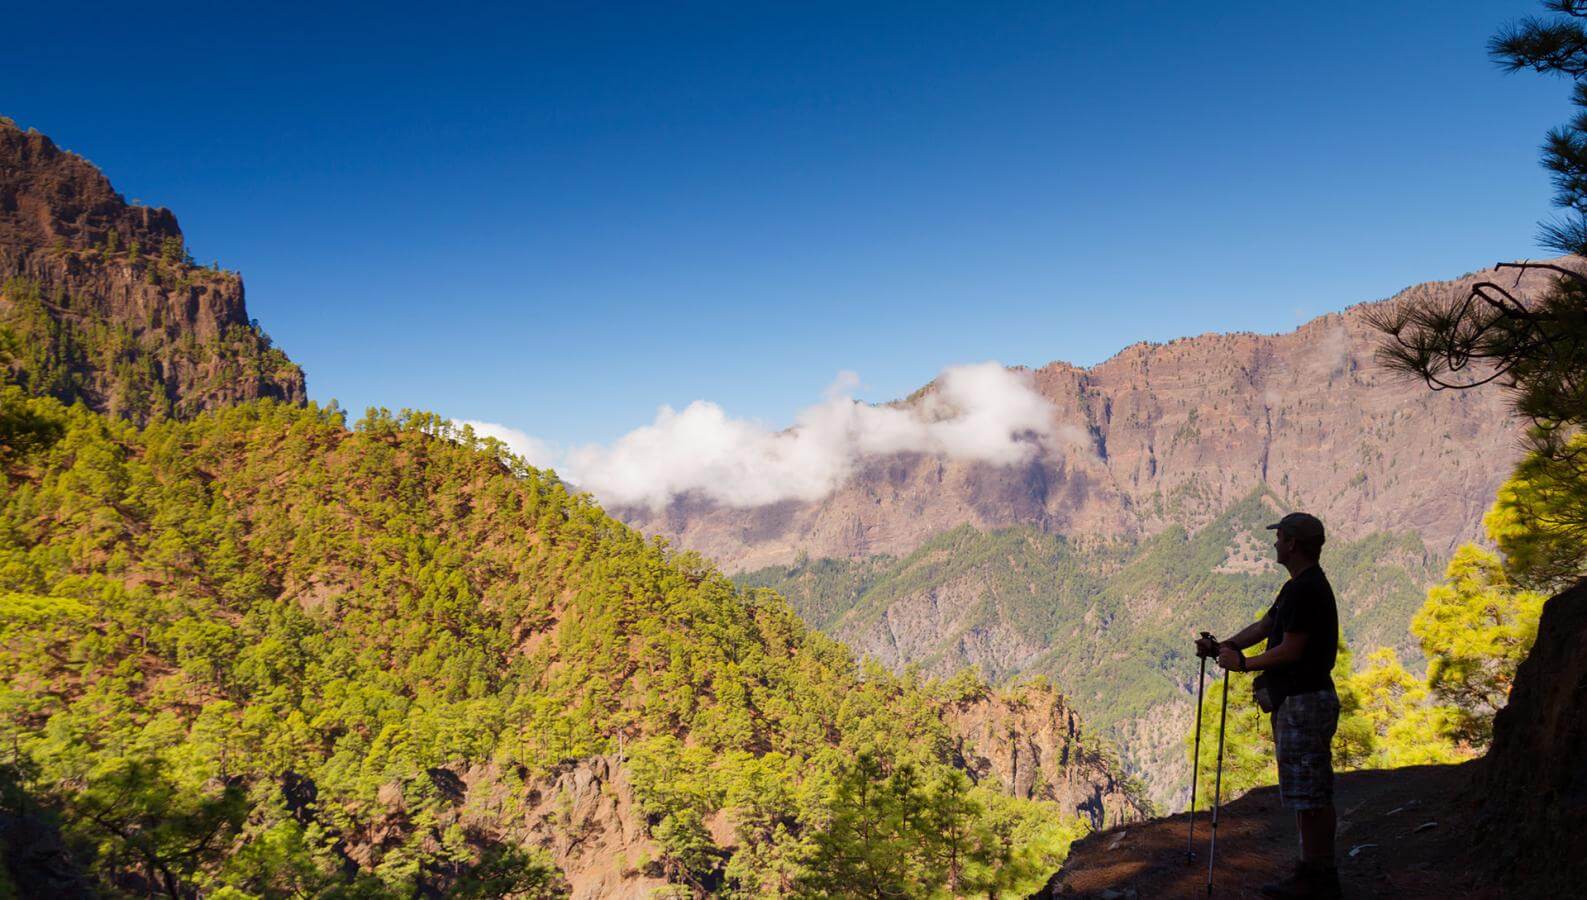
<point x="99" y="301"/>
<point x="1030" y="744"/>
<point x="585" y="815"/>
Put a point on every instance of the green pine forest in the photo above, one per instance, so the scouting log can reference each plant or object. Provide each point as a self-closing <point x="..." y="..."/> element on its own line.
<point x="254" y="654"/>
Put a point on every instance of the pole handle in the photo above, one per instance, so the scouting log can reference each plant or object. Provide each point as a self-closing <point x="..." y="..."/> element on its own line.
<point x="1205" y="636"/>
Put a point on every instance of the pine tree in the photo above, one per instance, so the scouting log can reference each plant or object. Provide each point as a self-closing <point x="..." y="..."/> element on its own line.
<point x="1475" y="629"/>
<point x="1406" y="728"/>
<point x="1539" y="520"/>
<point x="1535" y="346"/>
<point x="865" y="851"/>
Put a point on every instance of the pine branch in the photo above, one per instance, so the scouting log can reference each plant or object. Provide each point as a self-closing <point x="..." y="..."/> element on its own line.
<point x="1548" y="267"/>
<point x="1542" y="46"/>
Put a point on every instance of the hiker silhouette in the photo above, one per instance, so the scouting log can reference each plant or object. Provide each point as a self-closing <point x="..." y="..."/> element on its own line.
<point x="1295" y="686"/>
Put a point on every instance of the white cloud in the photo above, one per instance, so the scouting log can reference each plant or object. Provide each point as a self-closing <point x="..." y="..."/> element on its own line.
<point x="534" y="451"/>
<point x="976" y="412"/>
<point x="843" y="385"/>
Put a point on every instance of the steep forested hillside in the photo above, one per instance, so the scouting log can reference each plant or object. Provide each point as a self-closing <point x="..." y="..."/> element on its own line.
<point x="263" y="653"/>
<point x="1109" y="623"/>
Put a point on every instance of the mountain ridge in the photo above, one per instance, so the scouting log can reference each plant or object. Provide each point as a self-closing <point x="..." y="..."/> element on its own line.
<point x="1160" y="446"/>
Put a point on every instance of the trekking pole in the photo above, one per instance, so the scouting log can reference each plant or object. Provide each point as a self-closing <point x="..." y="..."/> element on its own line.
<point x="1195" y="764"/>
<point x="1217" y="785"/>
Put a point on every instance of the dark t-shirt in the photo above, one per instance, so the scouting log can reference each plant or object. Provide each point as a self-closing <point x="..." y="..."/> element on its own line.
<point x="1305" y="605"/>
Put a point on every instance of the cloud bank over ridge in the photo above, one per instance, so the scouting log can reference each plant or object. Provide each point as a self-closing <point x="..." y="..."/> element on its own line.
<point x="982" y="412"/>
<point x="534" y="451"/>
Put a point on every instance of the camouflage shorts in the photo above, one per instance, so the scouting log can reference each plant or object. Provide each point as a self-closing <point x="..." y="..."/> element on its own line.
<point x="1303" y="730"/>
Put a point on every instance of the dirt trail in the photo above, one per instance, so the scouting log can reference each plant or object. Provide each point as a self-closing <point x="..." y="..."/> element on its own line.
<point x="1402" y="833"/>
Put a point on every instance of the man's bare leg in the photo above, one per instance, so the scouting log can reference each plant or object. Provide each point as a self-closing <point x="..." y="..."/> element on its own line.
<point x="1316" y="828"/>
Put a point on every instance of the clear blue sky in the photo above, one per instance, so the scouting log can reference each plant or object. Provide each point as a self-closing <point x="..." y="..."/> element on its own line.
<point x="558" y="216"/>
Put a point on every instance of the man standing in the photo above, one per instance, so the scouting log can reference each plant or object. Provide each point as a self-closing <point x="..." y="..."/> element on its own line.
<point x="1296" y="686"/>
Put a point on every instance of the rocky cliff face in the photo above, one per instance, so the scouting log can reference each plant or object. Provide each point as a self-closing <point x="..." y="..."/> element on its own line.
<point x="1532" y="791"/>
<point x="1172" y="433"/>
<point x="101" y="303"/>
<point x="1030" y="744"/>
<point x="586" y="816"/>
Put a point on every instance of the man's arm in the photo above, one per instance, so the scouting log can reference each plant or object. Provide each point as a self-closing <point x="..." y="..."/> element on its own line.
<point x="1288" y="651"/>
<point x="1251" y="633"/>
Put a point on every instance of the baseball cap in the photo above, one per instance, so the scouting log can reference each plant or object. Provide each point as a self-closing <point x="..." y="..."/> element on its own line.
<point x="1300" y="525"/>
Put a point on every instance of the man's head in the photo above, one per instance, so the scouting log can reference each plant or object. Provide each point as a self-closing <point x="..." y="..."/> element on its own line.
<point x="1298" y="537"/>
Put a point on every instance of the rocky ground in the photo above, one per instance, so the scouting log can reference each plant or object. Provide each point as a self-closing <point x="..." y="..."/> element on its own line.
<point x="1402" y="833"/>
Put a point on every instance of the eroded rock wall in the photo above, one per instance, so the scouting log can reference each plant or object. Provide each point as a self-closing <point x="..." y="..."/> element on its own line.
<point x="1030" y="744"/>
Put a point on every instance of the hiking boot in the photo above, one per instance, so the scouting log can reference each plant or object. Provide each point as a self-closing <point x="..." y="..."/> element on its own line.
<point x="1309" y="881"/>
